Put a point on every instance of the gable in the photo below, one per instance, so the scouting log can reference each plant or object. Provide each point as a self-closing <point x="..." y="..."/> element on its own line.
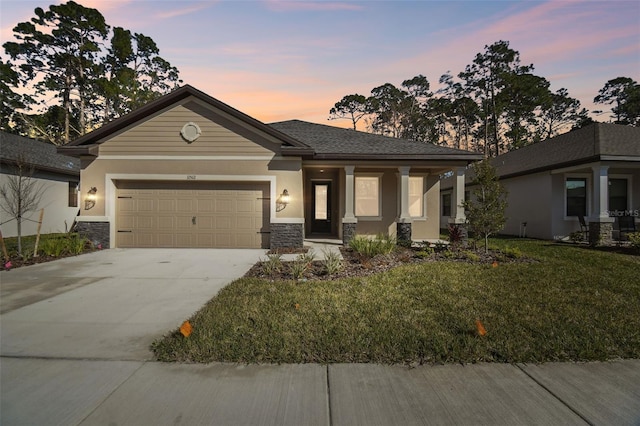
<point x="220" y="135"/>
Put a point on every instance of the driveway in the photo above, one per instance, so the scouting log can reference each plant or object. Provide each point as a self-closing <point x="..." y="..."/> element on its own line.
<point x="110" y="304"/>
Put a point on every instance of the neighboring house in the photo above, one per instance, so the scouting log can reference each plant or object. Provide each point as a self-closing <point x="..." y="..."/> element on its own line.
<point x="187" y="170"/>
<point x="593" y="172"/>
<point x="57" y="175"/>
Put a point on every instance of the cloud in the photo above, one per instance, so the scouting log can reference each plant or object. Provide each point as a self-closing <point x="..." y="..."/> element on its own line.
<point x="183" y="11"/>
<point x="307" y="6"/>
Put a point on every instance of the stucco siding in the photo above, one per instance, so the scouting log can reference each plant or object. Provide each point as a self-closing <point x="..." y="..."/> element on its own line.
<point x="58" y="216"/>
<point x="160" y="135"/>
<point x="529" y="201"/>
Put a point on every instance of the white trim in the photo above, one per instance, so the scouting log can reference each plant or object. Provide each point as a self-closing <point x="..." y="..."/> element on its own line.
<point x="287" y="220"/>
<point x="355" y="200"/>
<point x="194" y="157"/>
<point x="92" y="219"/>
<point x="110" y="192"/>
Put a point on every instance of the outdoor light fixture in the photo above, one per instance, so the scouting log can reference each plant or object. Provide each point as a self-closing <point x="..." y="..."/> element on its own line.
<point x="283" y="200"/>
<point x="90" y="199"/>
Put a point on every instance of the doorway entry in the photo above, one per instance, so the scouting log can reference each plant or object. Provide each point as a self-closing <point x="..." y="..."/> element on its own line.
<point x="321" y="207"/>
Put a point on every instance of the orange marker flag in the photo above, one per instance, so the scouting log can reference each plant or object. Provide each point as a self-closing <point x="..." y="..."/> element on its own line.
<point x="185" y="329"/>
<point x="297" y="306"/>
<point x="480" y="327"/>
<point x="495" y="264"/>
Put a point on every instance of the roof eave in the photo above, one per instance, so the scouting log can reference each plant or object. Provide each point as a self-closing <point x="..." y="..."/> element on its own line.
<point x="79" y="151"/>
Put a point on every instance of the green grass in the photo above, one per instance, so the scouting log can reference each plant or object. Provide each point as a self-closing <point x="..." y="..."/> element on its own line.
<point x="572" y="304"/>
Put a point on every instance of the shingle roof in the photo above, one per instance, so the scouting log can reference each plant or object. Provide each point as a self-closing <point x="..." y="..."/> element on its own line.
<point x="40" y="154"/>
<point x="595" y="142"/>
<point x="330" y="142"/>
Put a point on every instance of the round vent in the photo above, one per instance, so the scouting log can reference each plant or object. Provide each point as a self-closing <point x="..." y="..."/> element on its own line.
<point x="190" y="132"/>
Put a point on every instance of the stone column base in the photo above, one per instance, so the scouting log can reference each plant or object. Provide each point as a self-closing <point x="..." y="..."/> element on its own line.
<point x="348" y="232"/>
<point x="403" y="233"/>
<point x="96" y="232"/>
<point x="600" y="233"/>
<point x="289" y="235"/>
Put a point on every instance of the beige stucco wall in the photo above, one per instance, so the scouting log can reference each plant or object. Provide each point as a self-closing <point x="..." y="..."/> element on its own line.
<point x="529" y="201"/>
<point x="58" y="216"/>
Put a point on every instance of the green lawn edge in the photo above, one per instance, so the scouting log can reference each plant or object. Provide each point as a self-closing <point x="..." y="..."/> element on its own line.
<point x="572" y="304"/>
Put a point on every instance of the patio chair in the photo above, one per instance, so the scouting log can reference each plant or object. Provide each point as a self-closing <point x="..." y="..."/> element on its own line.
<point x="622" y="226"/>
<point x="584" y="228"/>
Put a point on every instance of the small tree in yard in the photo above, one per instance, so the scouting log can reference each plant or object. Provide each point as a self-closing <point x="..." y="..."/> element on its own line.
<point x="20" y="195"/>
<point x="485" y="214"/>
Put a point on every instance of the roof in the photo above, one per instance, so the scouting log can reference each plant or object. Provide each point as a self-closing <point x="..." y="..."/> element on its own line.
<point x="299" y="138"/>
<point x="335" y="143"/>
<point x="596" y="142"/>
<point x="42" y="155"/>
<point x="84" y="144"/>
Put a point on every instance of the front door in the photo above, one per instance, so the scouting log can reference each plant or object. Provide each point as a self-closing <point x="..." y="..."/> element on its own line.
<point x="321" y="207"/>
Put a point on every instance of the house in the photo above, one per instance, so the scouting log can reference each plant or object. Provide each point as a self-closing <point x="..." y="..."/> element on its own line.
<point x="57" y="176"/>
<point x="592" y="172"/>
<point x="187" y="170"/>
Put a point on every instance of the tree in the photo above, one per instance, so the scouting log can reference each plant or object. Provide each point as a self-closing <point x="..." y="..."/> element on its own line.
<point x="58" y="50"/>
<point x="134" y="74"/>
<point x="486" y="211"/>
<point x="65" y="51"/>
<point x="485" y="78"/>
<point x="20" y="194"/>
<point x="352" y="107"/>
<point x="624" y="94"/>
<point x="10" y="100"/>
<point x="559" y="112"/>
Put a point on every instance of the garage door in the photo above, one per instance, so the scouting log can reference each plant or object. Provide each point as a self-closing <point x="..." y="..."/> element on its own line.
<point x="190" y="214"/>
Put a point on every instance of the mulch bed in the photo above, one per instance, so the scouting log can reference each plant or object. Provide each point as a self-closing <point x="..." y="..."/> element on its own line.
<point x="17" y="262"/>
<point x="355" y="265"/>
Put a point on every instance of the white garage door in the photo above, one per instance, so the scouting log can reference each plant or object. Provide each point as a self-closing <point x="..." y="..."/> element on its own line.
<point x="192" y="214"/>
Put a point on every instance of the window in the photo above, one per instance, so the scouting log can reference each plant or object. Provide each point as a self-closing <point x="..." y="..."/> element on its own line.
<point x="446" y="205"/>
<point x="416" y="196"/>
<point x="618" y="194"/>
<point x="367" y="196"/>
<point x="73" y="194"/>
<point x="576" y="193"/>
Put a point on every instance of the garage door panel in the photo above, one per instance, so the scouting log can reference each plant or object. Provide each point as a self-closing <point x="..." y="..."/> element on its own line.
<point x="161" y="214"/>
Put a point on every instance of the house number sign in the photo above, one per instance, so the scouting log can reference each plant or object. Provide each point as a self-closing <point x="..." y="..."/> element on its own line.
<point x="191" y="177"/>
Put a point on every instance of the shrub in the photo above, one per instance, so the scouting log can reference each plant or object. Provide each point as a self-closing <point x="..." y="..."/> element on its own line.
<point x="634" y="239"/>
<point x="471" y="256"/>
<point x="332" y="262"/>
<point x="53" y="246"/>
<point x="456" y="235"/>
<point x="440" y="246"/>
<point x="298" y="267"/>
<point x="273" y="264"/>
<point x="382" y="244"/>
<point x="512" y="252"/>
<point x="76" y="244"/>
<point x="576" y="237"/>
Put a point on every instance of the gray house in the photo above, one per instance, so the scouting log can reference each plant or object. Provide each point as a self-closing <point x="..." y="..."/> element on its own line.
<point x="58" y="175"/>
<point x="592" y="172"/>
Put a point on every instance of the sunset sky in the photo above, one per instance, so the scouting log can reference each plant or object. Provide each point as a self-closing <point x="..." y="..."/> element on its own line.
<point x="279" y="60"/>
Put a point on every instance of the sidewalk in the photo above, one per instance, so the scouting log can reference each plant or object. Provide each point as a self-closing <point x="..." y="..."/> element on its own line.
<point x="95" y="392"/>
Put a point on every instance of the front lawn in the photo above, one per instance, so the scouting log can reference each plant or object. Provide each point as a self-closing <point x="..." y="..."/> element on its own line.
<point x="574" y="303"/>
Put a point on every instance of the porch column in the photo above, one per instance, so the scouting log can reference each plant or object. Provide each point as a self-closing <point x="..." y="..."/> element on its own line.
<point x="457" y="197"/>
<point x="458" y="218"/>
<point x="349" y="220"/>
<point x="403" y="224"/>
<point x="600" y="224"/>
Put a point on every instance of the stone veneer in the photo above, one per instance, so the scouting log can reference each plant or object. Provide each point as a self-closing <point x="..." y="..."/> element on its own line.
<point x="600" y="233"/>
<point x="403" y="233"/>
<point x="287" y="235"/>
<point x="348" y="232"/>
<point x="96" y="232"/>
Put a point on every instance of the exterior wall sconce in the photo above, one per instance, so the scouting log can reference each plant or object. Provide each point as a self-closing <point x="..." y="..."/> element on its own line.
<point x="283" y="200"/>
<point x="90" y="199"/>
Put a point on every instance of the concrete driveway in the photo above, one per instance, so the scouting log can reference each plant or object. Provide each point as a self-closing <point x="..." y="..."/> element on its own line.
<point x="111" y="304"/>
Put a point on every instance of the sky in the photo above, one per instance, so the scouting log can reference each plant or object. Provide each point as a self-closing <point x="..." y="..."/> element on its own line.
<point x="279" y="60"/>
